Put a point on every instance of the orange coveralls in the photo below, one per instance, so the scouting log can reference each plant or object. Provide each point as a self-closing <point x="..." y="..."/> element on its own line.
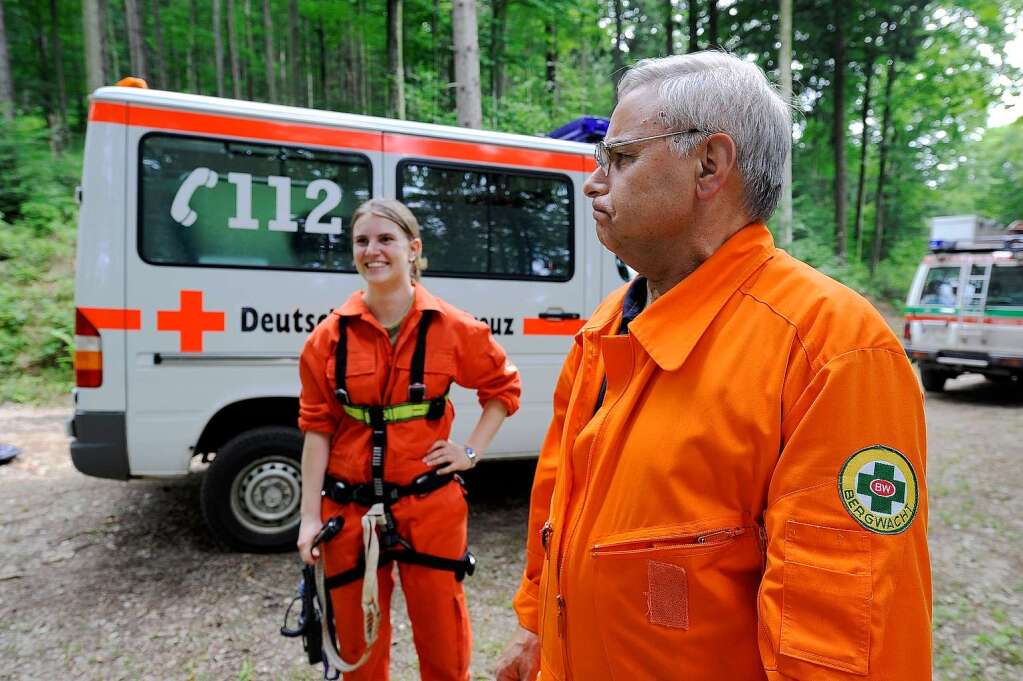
<point x="702" y="523"/>
<point x="459" y="349"/>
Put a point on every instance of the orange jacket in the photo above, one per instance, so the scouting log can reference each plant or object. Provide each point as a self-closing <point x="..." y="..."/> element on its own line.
<point x="458" y="348"/>
<point x="748" y="502"/>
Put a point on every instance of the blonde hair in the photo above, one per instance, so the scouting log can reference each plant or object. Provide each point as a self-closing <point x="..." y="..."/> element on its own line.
<point x="398" y="213"/>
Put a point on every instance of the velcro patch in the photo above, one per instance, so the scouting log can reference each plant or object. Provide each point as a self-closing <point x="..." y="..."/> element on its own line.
<point x="878" y="487"/>
<point x="667" y="596"/>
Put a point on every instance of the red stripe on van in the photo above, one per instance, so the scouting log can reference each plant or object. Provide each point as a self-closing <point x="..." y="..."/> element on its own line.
<point x="412" y="145"/>
<point x="232" y="126"/>
<point x="551" y="327"/>
<point x="113" y="318"/>
<point x="993" y="321"/>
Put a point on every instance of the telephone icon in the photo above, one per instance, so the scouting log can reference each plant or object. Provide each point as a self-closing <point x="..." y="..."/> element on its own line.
<point x="180" y="210"/>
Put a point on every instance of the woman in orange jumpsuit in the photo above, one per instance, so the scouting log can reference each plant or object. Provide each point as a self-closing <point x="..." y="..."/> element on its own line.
<point x="398" y="339"/>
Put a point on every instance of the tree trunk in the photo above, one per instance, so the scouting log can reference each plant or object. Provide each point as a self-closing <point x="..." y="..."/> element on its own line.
<point x="864" y="139"/>
<point x="307" y="63"/>
<point x="785" y="76"/>
<point x="93" y="39"/>
<point x="694" y="26"/>
<point x="268" y="52"/>
<point x="6" y="80"/>
<point x="250" y="50"/>
<point x="712" y="24"/>
<point x="875" y="257"/>
<point x="161" y="63"/>
<point x="616" y="57"/>
<point x="218" y="47"/>
<point x="294" y="62"/>
<point x="468" y="106"/>
<point x="232" y="51"/>
<point x="551" y="82"/>
<point x="499" y="9"/>
<point x="669" y="27"/>
<point x="321" y="65"/>
<point x="191" y="67"/>
<point x="395" y="62"/>
<point x="360" y="14"/>
<point x="59" y="125"/>
<point x="136" y="40"/>
<point x="107" y="17"/>
<point x="838" y="125"/>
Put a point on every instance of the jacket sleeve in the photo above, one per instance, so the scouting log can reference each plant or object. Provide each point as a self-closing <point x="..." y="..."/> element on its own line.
<point x="318" y="409"/>
<point x="846" y="592"/>
<point x="482" y="365"/>
<point x="526" y="599"/>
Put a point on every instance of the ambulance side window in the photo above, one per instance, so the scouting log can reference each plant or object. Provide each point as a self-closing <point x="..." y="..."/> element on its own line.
<point x="1006" y="286"/>
<point x="941" y="287"/>
<point x="491" y="223"/>
<point x="207" y="202"/>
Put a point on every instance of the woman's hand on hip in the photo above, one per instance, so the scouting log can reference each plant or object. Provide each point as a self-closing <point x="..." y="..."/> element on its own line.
<point x="448" y="456"/>
<point x="307" y="532"/>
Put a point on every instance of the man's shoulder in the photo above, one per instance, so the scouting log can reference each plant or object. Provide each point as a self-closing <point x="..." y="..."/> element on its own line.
<point x="828" y="317"/>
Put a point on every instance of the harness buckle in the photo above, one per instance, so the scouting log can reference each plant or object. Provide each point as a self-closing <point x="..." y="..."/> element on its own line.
<point x="416" y="392"/>
<point x="342" y="396"/>
<point x="437" y="407"/>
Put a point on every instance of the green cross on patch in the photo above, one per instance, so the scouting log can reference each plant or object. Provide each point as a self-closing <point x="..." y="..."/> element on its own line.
<point x="878" y="503"/>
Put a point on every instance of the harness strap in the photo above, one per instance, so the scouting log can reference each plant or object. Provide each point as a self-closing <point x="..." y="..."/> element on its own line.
<point x="342" y="492"/>
<point x="396" y="413"/>
<point x="462" y="567"/>
<point x="416" y="386"/>
<point x="341" y="360"/>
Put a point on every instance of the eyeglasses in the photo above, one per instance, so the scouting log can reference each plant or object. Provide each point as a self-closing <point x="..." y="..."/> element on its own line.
<point x="602" y="152"/>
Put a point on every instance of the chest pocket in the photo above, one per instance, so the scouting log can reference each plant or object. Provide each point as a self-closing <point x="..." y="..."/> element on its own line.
<point x="360" y="377"/>
<point x="438" y="370"/>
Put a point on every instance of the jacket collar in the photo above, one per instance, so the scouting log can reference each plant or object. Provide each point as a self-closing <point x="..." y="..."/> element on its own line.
<point x="356" y="306"/>
<point x="669" y="328"/>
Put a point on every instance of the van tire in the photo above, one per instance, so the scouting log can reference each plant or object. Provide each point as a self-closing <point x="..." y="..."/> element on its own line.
<point x="251" y="493"/>
<point x="934" y="379"/>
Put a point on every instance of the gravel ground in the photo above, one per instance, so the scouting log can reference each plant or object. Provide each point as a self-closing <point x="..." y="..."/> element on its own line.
<point x="122" y="581"/>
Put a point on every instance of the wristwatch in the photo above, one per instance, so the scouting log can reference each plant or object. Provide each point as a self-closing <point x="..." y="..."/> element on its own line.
<point x="470" y="454"/>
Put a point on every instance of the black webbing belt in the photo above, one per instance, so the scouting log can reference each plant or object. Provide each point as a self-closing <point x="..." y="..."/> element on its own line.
<point x="466" y="565"/>
<point x="342" y="492"/>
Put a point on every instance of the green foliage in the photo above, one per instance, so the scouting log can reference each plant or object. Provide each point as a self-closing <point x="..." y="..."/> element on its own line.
<point x="36" y="277"/>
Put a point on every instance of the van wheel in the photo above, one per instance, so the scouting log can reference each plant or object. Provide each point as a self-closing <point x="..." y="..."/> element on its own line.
<point x="252" y="491"/>
<point x="934" y="379"/>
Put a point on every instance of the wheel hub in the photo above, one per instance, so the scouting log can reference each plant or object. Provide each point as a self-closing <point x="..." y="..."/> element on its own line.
<point x="266" y="495"/>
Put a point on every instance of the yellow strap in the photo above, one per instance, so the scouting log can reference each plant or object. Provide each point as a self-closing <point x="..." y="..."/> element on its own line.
<point x="405" y="411"/>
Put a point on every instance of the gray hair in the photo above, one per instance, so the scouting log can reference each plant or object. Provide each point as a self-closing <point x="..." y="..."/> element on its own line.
<point x="718" y="92"/>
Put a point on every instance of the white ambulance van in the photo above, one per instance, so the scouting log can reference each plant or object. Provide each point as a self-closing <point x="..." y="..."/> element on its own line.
<point x="214" y="235"/>
<point x="964" y="311"/>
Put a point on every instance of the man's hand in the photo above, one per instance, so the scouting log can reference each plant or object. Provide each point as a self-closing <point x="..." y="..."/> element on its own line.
<point x="520" y="660"/>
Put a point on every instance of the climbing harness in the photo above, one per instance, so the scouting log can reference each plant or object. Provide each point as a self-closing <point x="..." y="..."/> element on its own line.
<point x="382" y="544"/>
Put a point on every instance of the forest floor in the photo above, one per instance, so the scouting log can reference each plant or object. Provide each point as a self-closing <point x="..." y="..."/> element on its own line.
<point x="110" y="580"/>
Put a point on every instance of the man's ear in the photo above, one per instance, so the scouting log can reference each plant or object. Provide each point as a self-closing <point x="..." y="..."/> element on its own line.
<point x="716" y="162"/>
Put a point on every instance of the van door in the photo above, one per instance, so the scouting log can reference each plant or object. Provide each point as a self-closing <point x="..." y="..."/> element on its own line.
<point x="934" y="312"/>
<point x="240" y="248"/>
<point x="504" y="244"/>
<point x="1004" y="310"/>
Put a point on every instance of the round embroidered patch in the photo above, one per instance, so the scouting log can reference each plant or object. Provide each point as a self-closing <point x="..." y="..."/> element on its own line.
<point x="878" y="487"/>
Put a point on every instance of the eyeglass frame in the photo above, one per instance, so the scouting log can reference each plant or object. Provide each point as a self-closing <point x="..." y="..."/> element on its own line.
<point x="608" y="148"/>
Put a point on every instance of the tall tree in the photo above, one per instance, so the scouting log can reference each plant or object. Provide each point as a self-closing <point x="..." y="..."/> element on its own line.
<point x="498" y="20"/>
<point x="785" y="76"/>
<point x="294" y="62"/>
<point x="712" y="24"/>
<point x="268" y="51"/>
<point x="59" y="124"/>
<point x="868" y="74"/>
<point x="92" y="26"/>
<point x="6" y="79"/>
<point x="159" y="53"/>
<point x="232" y="49"/>
<point x="693" y="18"/>
<point x="468" y="105"/>
<point x="879" y="196"/>
<point x="250" y="50"/>
<point x="669" y="27"/>
<point x="218" y="47"/>
<point x="551" y="51"/>
<point x="136" y="39"/>
<point x="191" y="63"/>
<point x="838" y="127"/>
<point x="395" y="61"/>
<point x="617" y="64"/>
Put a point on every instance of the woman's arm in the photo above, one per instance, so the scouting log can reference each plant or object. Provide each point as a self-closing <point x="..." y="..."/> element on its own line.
<point x="451" y="455"/>
<point x="314" y="466"/>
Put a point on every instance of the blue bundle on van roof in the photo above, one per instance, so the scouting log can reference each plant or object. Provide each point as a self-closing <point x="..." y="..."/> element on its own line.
<point x="583" y="129"/>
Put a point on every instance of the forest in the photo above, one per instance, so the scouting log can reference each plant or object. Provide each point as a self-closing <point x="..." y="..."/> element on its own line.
<point x="892" y="104"/>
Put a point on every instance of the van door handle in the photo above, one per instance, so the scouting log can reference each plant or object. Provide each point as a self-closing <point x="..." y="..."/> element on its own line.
<point x="558" y="313"/>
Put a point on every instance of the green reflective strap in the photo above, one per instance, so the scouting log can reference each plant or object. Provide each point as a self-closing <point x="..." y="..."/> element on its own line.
<point x="406" y="411"/>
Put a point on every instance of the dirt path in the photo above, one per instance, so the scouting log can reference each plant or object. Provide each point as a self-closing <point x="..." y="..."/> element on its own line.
<point x="103" y="579"/>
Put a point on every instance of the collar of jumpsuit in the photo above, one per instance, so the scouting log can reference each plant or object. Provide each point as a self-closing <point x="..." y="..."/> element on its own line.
<point x="690" y="526"/>
<point x="356" y="306"/>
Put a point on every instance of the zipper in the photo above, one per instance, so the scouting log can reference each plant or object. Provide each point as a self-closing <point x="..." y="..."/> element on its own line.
<point x="762" y="539"/>
<point x="545" y="538"/>
<point x="681" y="540"/>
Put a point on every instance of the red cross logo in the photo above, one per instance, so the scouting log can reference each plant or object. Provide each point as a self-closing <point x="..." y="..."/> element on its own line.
<point x="190" y="321"/>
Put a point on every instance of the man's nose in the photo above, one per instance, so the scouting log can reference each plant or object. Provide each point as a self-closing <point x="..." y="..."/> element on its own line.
<point x="596" y="183"/>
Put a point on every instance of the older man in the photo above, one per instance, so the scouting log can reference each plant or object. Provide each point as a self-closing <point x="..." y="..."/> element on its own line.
<point x="732" y="486"/>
